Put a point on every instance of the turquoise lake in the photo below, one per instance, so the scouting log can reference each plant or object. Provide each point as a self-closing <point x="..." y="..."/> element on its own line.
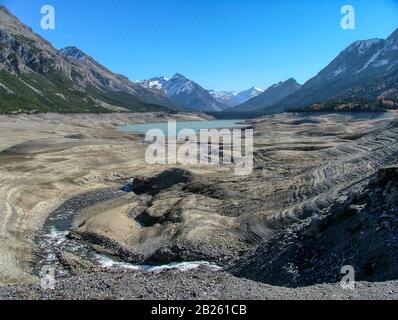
<point x="193" y="125"/>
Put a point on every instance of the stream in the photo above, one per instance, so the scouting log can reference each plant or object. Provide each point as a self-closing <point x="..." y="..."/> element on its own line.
<point x="55" y="238"/>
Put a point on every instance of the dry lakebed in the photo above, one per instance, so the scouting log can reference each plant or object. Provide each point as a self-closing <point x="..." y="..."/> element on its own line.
<point x="76" y="194"/>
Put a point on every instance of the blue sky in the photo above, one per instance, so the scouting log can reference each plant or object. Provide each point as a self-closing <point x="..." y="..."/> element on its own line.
<point x="221" y="44"/>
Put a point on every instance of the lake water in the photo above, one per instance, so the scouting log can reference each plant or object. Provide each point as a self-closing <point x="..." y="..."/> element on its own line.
<point x="193" y="125"/>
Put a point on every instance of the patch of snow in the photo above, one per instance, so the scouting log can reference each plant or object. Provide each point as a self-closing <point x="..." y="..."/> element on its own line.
<point x="363" y="45"/>
<point x="60" y="95"/>
<point x="177" y="85"/>
<point x="222" y="94"/>
<point x="248" y="94"/>
<point x="370" y="61"/>
<point x="339" y="71"/>
<point x="381" y="63"/>
<point x="154" y="83"/>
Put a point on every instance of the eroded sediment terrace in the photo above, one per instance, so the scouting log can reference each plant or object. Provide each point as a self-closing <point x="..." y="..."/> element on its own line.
<point x="302" y="165"/>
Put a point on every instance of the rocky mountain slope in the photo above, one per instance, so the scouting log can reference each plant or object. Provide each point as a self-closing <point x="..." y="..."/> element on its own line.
<point x="185" y="92"/>
<point x="270" y="96"/>
<point x="245" y="95"/>
<point x="366" y="69"/>
<point x="36" y="76"/>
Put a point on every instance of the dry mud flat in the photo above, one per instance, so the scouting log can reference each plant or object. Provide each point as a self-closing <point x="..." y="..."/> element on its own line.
<point x="304" y="165"/>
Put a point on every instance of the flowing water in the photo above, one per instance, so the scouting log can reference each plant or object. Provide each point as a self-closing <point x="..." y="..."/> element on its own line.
<point x="55" y="239"/>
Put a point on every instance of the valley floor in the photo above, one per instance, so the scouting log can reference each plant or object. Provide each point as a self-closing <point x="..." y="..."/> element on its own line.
<point x="304" y="165"/>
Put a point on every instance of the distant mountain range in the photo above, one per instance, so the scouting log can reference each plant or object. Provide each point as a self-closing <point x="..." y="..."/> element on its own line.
<point x="36" y="76"/>
<point x="185" y="92"/>
<point x="233" y="98"/>
<point x="188" y="93"/>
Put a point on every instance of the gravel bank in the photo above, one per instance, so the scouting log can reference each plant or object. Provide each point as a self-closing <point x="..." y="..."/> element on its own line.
<point x="189" y="285"/>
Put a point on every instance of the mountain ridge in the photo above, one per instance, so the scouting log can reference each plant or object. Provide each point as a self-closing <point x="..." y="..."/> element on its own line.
<point x="365" y="69"/>
<point x="184" y="91"/>
<point x="234" y="98"/>
<point x="36" y="76"/>
<point x="270" y="96"/>
<point x="219" y="101"/>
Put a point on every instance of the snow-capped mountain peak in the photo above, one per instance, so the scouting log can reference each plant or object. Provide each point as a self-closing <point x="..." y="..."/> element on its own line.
<point x="185" y="92"/>
<point x="156" y="83"/>
<point x="256" y="89"/>
<point x="366" y="68"/>
<point x="222" y="94"/>
<point x="227" y="98"/>
<point x="234" y="98"/>
<point x="243" y="96"/>
<point x="178" y="84"/>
